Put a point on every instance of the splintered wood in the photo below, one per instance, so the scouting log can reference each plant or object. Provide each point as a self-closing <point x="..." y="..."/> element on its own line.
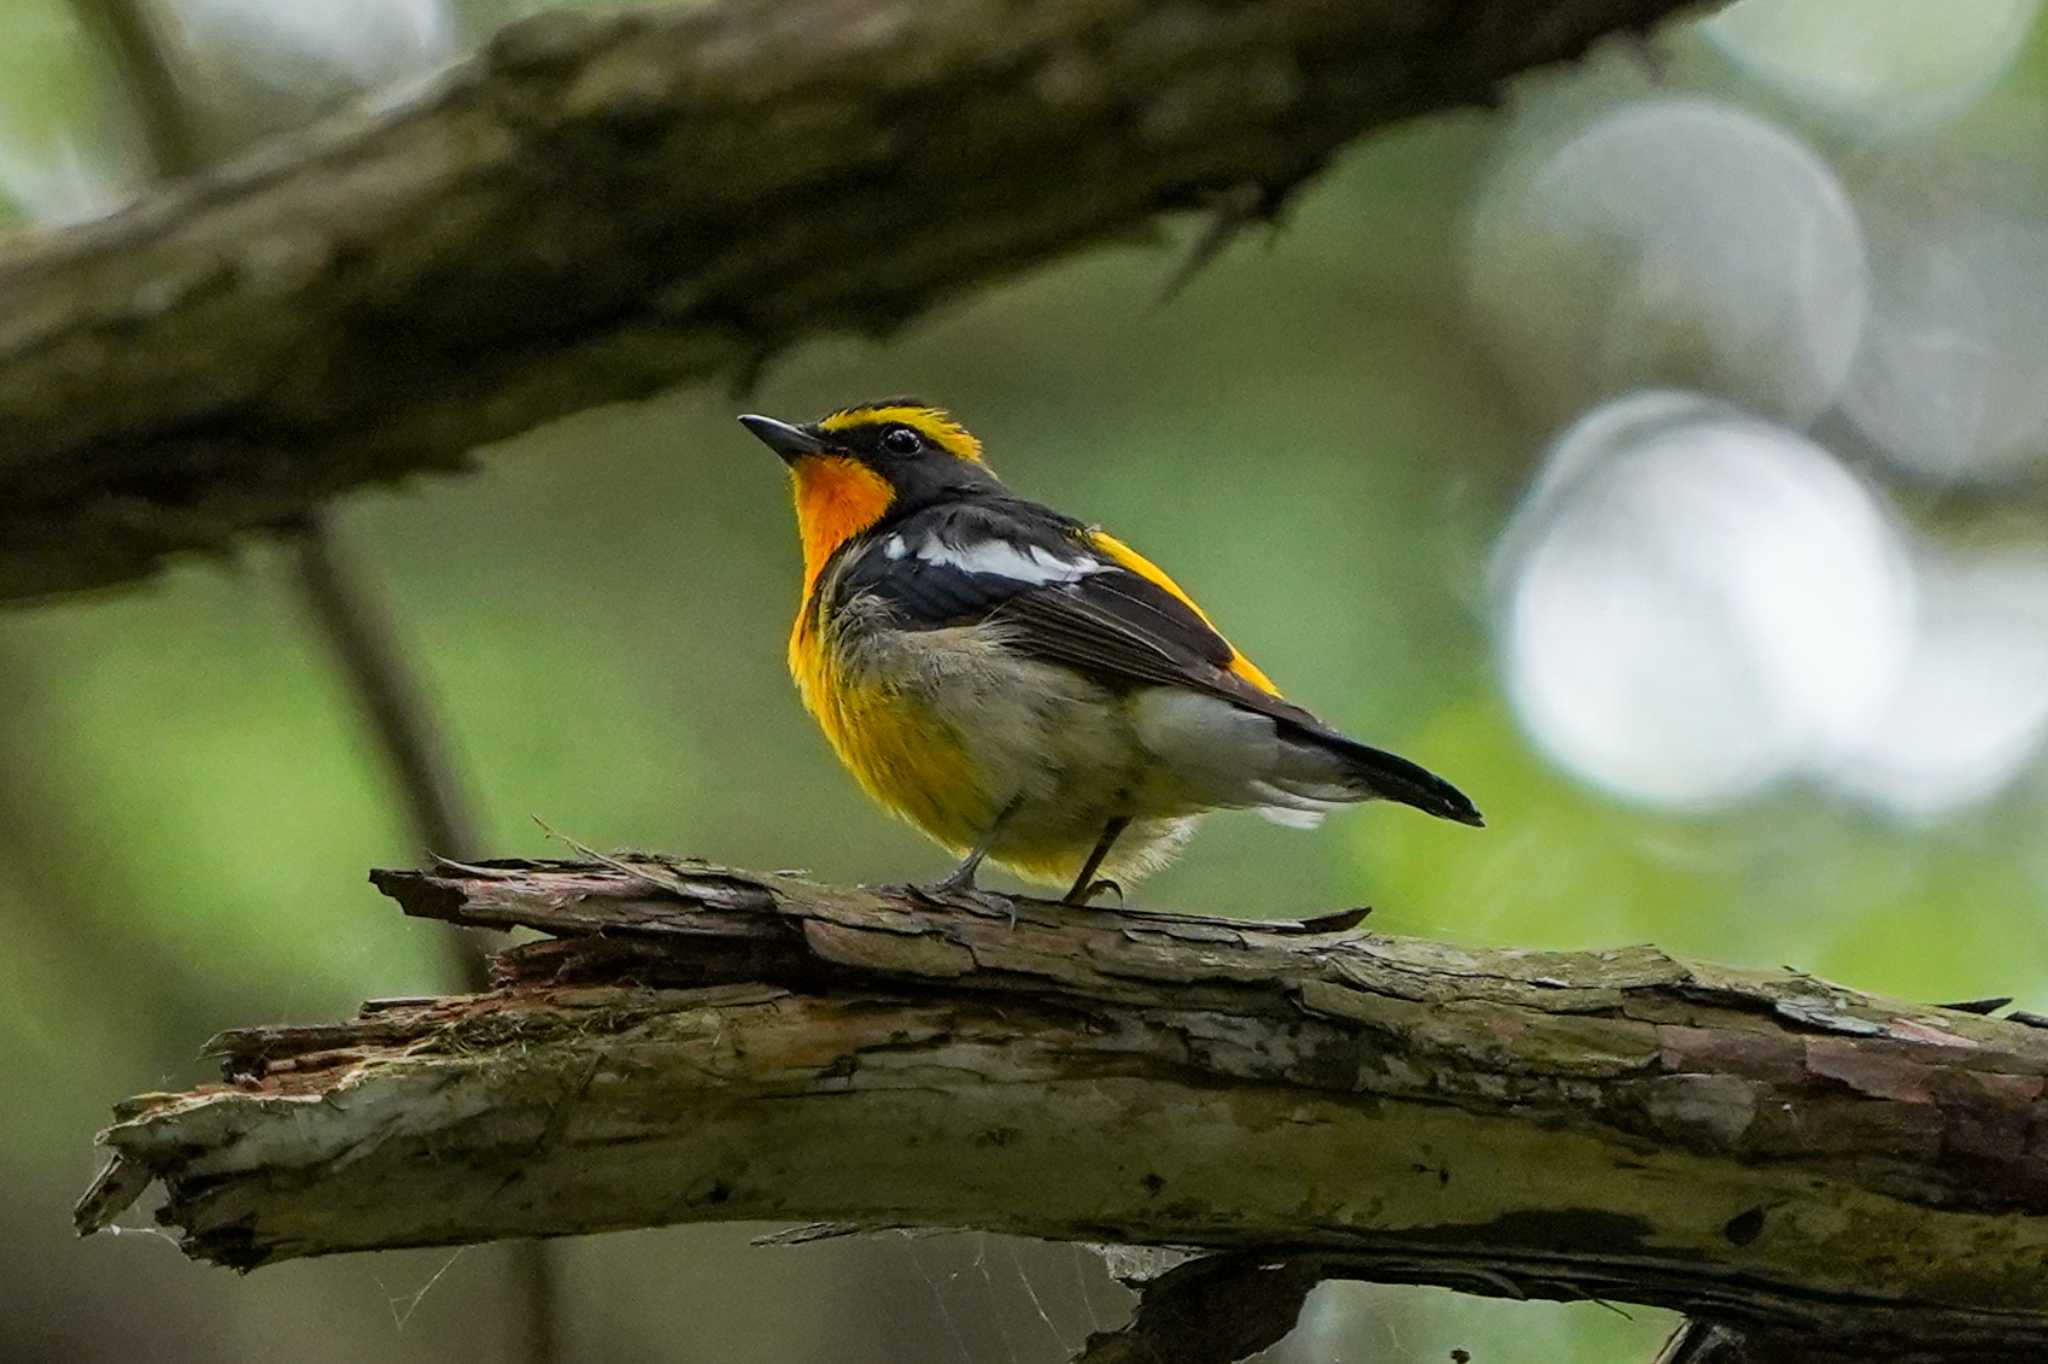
<point x="689" y="1043"/>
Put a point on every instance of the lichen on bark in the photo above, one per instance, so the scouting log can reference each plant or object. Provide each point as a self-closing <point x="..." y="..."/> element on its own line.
<point x="1760" y="1149"/>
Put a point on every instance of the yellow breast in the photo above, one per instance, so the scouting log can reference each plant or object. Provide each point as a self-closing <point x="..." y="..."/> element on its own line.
<point x="900" y="752"/>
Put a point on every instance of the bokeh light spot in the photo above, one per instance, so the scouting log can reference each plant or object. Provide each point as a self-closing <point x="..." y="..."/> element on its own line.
<point x="1949" y="382"/>
<point x="1702" y="603"/>
<point x="1670" y="242"/>
<point x="1877" y="63"/>
<point x="1970" y="708"/>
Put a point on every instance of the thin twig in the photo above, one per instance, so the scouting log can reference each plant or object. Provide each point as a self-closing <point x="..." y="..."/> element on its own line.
<point x="671" y="884"/>
<point x="1230" y="211"/>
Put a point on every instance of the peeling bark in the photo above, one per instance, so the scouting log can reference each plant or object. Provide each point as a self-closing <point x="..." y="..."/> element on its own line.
<point x="595" y="209"/>
<point x="1767" y="1152"/>
<point x="1212" y="1310"/>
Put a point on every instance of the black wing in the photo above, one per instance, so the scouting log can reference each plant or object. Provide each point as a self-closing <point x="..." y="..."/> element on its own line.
<point x="1061" y="594"/>
<point x="1056" y="591"/>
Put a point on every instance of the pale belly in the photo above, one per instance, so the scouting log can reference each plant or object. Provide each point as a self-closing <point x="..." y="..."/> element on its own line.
<point x="951" y="730"/>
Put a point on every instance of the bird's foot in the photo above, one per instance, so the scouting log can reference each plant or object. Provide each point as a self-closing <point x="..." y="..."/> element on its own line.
<point x="959" y="881"/>
<point x="1079" y="897"/>
<point x="956" y="889"/>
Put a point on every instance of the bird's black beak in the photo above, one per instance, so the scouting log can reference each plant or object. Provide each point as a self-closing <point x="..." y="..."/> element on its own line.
<point x="791" y="442"/>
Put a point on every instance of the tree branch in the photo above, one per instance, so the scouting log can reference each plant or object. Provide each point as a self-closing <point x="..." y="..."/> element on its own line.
<point x="1214" y="1309"/>
<point x="1761" y="1150"/>
<point x="595" y="209"/>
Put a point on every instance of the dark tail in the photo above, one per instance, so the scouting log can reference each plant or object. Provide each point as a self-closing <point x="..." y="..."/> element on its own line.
<point x="1395" y="778"/>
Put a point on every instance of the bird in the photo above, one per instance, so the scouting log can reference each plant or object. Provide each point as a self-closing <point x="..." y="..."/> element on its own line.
<point x="1024" y="687"/>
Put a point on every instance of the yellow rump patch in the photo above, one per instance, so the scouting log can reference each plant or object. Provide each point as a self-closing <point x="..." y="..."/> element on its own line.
<point x="934" y="424"/>
<point x="1137" y="563"/>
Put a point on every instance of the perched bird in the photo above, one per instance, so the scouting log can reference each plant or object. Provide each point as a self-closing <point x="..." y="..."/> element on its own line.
<point x="1026" y="688"/>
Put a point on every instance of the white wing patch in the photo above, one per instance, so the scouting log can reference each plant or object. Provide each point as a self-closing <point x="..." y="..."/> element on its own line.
<point x="1291" y="807"/>
<point x="1022" y="563"/>
<point x="1290" y="818"/>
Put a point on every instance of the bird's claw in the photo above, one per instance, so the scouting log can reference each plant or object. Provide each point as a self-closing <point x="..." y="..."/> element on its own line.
<point x="1094" y="888"/>
<point x="949" y="891"/>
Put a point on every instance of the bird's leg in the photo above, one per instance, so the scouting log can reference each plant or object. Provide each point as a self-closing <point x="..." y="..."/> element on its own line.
<point x="960" y="880"/>
<point x="1085" y="884"/>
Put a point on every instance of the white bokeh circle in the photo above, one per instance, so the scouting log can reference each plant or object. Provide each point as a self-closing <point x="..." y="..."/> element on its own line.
<point x="1949" y="383"/>
<point x="1970" y="708"/>
<point x="1699" y="604"/>
<point x="1875" y="64"/>
<point x="350" y="43"/>
<point x="1669" y="242"/>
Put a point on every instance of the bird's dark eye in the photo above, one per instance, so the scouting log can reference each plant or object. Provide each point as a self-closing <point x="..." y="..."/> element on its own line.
<point x="901" y="440"/>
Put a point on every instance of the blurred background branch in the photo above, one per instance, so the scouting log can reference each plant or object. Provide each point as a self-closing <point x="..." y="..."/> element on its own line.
<point x="704" y="1044"/>
<point x="128" y="36"/>
<point x="408" y="734"/>
<point x="598" y="208"/>
<point x="367" y="652"/>
<point x="341" y="606"/>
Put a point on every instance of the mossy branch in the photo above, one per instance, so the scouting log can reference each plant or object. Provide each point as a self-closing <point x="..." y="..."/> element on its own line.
<point x="1766" y="1152"/>
<point x="598" y="208"/>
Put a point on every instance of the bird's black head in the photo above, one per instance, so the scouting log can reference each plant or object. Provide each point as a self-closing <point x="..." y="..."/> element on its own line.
<point x="917" y="450"/>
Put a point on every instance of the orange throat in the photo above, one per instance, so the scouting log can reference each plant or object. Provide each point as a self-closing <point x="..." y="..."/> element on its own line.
<point x="836" y="499"/>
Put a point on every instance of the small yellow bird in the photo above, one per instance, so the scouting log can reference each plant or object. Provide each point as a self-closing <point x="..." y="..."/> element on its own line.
<point x="1026" y="688"/>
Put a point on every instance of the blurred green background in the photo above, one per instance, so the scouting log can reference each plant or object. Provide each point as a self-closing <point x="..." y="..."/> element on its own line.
<point x="1333" y="438"/>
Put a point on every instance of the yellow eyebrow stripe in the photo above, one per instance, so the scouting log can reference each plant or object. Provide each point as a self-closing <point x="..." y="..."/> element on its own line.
<point x="1137" y="563"/>
<point x="934" y="424"/>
